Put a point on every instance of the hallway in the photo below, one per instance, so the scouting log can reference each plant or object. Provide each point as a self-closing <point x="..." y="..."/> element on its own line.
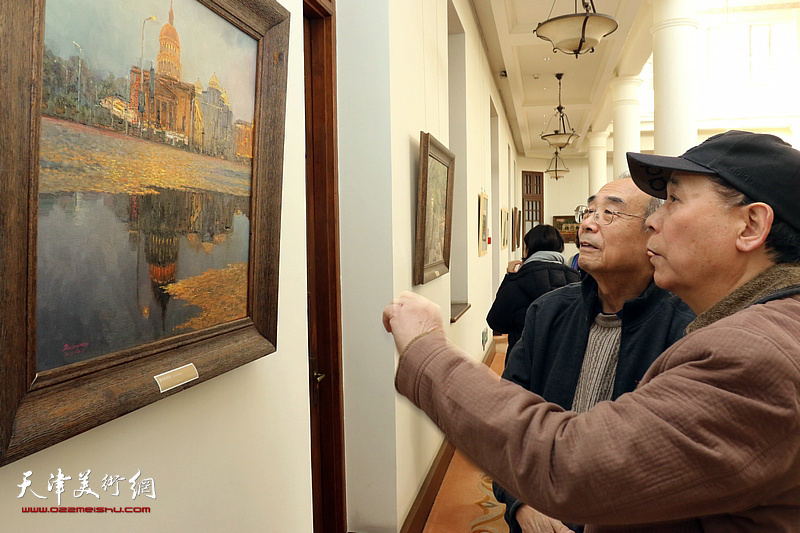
<point x="465" y="503"/>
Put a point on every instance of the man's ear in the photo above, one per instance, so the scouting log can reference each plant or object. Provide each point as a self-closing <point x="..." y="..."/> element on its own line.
<point x="758" y="218"/>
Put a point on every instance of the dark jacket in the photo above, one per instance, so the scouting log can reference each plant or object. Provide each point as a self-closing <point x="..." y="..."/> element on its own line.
<point x="548" y="358"/>
<point x="518" y="291"/>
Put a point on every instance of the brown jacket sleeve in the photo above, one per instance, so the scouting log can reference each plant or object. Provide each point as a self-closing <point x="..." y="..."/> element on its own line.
<point x="711" y="432"/>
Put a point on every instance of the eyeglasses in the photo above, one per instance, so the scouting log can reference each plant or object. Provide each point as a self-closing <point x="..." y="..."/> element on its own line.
<point x="604" y="216"/>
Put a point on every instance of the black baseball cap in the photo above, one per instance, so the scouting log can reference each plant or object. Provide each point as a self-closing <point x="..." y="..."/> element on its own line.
<point x="762" y="166"/>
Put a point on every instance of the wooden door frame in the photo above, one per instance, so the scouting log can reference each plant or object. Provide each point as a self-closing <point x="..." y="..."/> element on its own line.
<point x="324" y="292"/>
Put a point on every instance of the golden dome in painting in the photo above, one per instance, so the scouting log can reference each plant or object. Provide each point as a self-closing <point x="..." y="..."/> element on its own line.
<point x="168" y="32"/>
<point x="214" y="83"/>
<point x="169" y="54"/>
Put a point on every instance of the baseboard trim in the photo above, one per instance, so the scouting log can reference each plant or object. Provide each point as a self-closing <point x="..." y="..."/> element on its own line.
<point x="488" y="359"/>
<point x="421" y="508"/>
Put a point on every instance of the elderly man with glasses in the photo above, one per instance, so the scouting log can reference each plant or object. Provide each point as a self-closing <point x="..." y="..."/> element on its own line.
<point x="709" y="441"/>
<point x="594" y="340"/>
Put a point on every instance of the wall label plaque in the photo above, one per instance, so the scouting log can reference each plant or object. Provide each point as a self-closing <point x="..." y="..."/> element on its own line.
<point x="176" y="377"/>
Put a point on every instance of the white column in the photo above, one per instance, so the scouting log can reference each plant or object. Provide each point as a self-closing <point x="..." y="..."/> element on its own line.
<point x="794" y="134"/>
<point x="627" y="120"/>
<point x="598" y="160"/>
<point x="674" y="75"/>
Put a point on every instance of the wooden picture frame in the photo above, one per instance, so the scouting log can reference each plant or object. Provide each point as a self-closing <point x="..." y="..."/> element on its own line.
<point x="483" y="223"/>
<point x="504" y="229"/>
<point x="434" y="209"/>
<point x="39" y="409"/>
<point x="514" y="229"/>
<point x="567" y="226"/>
<point x="518" y="228"/>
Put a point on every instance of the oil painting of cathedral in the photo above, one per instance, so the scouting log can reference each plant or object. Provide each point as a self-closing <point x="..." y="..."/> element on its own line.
<point x="145" y="175"/>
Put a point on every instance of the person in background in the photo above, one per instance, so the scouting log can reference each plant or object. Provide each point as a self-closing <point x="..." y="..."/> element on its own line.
<point x="595" y="340"/>
<point x="709" y="441"/>
<point x="541" y="271"/>
<point x="573" y="261"/>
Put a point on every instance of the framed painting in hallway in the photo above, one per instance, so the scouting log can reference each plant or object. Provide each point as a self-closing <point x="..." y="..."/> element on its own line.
<point x="434" y="209"/>
<point x="514" y="229"/>
<point x="567" y="226"/>
<point x="504" y="228"/>
<point x="483" y="223"/>
<point x="150" y="167"/>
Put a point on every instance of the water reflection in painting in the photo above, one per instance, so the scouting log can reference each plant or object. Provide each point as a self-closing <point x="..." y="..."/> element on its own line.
<point x="118" y="269"/>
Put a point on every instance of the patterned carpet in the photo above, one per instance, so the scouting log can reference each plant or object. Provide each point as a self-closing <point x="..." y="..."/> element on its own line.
<point x="465" y="503"/>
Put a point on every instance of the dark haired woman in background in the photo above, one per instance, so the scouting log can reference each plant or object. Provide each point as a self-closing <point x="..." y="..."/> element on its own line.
<point x="541" y="271"/>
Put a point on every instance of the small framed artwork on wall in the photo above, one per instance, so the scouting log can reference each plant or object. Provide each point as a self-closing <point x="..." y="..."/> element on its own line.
<point x="514" y="224"/>
<point x="567" y="226"/>
<point x="504" y="228"/>
<point x="483" y="223"/>
<point x="434" y="209"/>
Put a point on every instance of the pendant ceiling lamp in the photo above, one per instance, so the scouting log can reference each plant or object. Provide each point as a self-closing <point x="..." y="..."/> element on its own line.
<point x="556" y="169"/>
<point x="576" y="33"/>
<point x="559" y="133"/>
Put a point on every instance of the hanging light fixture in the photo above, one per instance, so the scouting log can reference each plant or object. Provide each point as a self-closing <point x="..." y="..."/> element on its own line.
<point x="576" y="33"/>
<point x="556" y="169"/>
<point x="563" y="134"/>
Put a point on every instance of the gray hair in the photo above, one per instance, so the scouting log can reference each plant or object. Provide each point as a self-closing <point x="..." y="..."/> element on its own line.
<point x="651" y="206"/>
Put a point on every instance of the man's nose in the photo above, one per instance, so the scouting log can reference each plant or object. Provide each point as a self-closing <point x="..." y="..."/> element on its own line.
<point x="589" y="223"/>
<point x="654" y="219"/>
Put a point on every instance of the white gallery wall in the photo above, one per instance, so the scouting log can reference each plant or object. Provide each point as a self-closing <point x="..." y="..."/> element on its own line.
<point x="393" y="68"/>
<point x="231" y="454"/>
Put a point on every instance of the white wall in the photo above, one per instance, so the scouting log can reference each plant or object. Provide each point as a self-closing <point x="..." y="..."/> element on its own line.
<point x="392" y="61"/>
<point x="418" y="40"/>
<point x="231" y="454"/>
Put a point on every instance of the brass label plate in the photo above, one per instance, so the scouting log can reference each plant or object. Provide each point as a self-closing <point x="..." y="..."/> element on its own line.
<point x="176" y="377"/>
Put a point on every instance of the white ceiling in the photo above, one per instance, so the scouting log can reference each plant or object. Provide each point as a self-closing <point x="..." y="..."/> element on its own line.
<point x="530" y="90"/>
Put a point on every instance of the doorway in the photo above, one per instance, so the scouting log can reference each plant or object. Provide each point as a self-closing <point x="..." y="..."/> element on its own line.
<point x="324" y="298"/>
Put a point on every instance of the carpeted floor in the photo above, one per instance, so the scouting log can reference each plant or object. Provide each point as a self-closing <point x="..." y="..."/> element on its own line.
<point x="465" y="503"/>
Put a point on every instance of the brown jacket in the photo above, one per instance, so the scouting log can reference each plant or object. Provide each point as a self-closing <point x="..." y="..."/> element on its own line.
<point x="709" y="441"/>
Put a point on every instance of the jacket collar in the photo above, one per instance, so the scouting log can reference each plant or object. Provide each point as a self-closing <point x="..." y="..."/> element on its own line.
<point x="778" y="281"/>
<point x="634" y="309"/>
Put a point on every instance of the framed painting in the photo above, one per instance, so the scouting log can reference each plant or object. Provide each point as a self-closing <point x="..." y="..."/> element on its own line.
<point x="483" y="223"/>
<point x="567" y="226"/>
<point x="141" y="225"/>
<point x="434" y="209"/>
<point x="518" y="228"/>
<point x="504" y="228"/>
<point x="513" y="229"/>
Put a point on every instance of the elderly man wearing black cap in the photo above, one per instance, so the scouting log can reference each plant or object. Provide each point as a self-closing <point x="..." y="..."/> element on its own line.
<point x="710" y="439"/>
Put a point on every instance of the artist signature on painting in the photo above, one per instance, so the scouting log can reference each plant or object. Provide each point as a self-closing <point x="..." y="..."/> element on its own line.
<point x="71" y="350"/>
